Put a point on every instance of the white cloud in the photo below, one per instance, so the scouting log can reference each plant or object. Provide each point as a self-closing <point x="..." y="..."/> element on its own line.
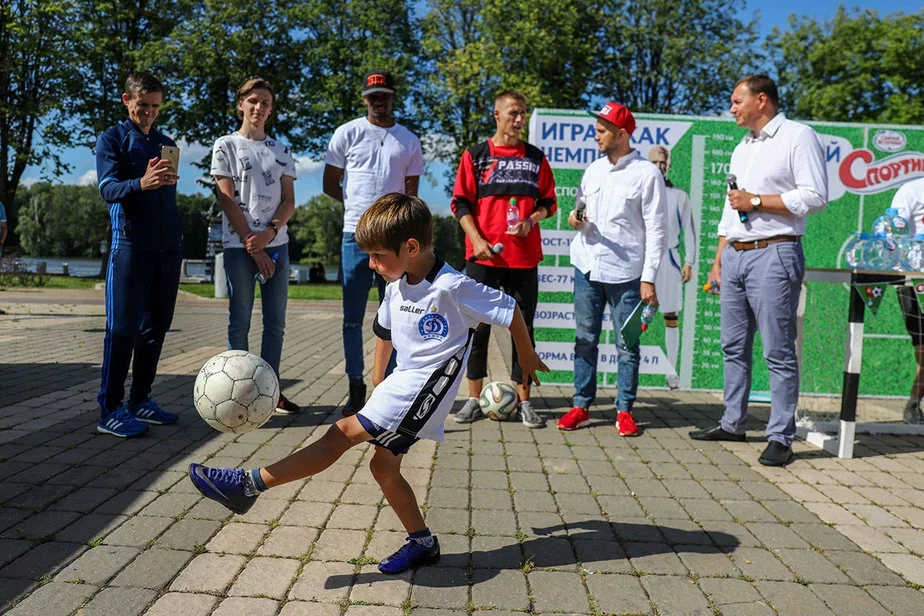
<point x="305" y="165"/>
<point x="88" y="178"/>
<point x="27" y="182"/>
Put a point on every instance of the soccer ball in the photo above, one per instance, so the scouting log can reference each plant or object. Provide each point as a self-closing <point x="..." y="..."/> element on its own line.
<point x="498" y="400"/>
<point x="236" y="391"/>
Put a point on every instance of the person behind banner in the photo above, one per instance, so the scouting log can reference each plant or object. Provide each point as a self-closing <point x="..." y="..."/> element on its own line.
<point x="620" y="215"/>
<point x="909" y="201"/>
<point x="427" y="315"/>
<point x="671" y="275"/>
<point x="759" y="264"/>
<point x="504" y="188"/>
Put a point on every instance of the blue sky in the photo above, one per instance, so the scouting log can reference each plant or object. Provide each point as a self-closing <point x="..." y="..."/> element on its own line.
<point x="432" y="189"/>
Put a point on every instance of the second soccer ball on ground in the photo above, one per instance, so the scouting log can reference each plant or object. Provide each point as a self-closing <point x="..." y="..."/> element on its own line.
<point x="498" y="400"/>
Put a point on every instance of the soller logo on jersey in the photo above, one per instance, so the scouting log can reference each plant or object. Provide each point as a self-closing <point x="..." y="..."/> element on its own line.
<point x="433" y="326"/>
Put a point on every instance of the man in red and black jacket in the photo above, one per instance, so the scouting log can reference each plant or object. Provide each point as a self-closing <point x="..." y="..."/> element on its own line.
<point x="504" y="187"/>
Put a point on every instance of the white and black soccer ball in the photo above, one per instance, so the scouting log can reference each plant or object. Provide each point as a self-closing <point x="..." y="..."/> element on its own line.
<point x="236" y="391"/>
<point x="498" y="400"/>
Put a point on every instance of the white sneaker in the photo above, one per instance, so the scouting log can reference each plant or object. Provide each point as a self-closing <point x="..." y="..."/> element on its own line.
<point x="673" y="381"/>
<point x="469" y="412"/>
<point x="528" y="415"/>
<point x="912" y="413"/>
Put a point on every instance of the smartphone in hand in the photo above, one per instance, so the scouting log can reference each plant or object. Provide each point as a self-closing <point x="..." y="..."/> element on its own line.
<point x="171" y="153"/>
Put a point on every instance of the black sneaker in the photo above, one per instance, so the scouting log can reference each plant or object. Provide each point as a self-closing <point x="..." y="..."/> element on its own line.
<point x="222" y="485"/>
<point x="287" y="407"/>
<point x="357" y="397"/>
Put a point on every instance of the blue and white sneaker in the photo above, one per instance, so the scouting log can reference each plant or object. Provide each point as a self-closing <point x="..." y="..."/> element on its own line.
<point x="222" y="485"/>
<point x="412" y="554"/>
<point x="121" y="423"/>
<point x="149" y="412"/>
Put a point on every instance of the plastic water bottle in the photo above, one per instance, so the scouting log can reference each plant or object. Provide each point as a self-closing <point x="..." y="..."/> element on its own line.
<point x="711" y="287"/>
<point x="648" y="313"/>
<point x="882" y="226"/>
<point x="853" y="252"/>
<point x="911" y="250"/>
<point x="880" y="253"/>
<point x="513" y="216"/>
<point x="259" y="277"/>
<point x="897" y="222"/>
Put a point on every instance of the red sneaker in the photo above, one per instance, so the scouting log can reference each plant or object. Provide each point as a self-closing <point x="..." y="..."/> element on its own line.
<point x="625" y="424"/>
<point x="574" y="419"/>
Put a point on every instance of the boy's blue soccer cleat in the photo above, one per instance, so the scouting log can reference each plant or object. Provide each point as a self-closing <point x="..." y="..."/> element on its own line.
<point x="222" y="485"/>
<point x="120" y="423"/>
<point x="412" y="554"/>
<point x="149" y="412"/>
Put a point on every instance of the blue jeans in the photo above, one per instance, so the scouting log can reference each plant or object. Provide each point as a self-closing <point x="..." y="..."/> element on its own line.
<point x="358" y="278"/>
<point x="240" y="270"/>
<point x="590" y="299"/>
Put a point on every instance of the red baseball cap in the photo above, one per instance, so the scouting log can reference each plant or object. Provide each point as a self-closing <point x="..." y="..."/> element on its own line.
<point x="616" y="114"/>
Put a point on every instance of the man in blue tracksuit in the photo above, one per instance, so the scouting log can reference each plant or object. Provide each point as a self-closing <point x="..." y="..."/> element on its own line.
<point x="144" y="262"/>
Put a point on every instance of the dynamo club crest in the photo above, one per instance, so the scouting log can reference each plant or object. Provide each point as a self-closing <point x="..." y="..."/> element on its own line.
<point x="433" y="326"/>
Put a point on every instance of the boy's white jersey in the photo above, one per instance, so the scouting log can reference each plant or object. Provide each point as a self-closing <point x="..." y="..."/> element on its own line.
<point x="430" y="325"/>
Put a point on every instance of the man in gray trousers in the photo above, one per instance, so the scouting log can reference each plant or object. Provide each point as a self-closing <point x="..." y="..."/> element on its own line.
<point x="780" y="178"/>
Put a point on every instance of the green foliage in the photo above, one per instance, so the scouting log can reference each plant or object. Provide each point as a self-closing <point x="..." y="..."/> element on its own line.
<point x="673" y="56"/>
<point x="315" y="231"/>
<point x="860" y="67"/>
<point x="449" y="241"/>
<point x="194" y="210"/>
<point x="62" y="220"/>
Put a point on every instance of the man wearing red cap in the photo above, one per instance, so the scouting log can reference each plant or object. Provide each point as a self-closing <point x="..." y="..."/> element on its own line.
<point x="504" y="187"/>
<point x="367" y="158"/>
<point x="620" y="213"/>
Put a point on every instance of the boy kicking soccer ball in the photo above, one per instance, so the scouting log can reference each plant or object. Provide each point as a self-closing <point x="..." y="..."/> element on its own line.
<point x="428" y="315"/>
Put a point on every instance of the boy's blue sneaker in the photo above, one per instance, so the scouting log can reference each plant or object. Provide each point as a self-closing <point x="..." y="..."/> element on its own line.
<point x="222" y="485"/>
<point x="412" y="554"/>
<point x="120" y="423"/>
<point x="149" y="412"/>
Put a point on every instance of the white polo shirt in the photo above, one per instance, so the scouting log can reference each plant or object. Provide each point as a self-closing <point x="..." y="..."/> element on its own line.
<point x="909" y="201"/>
<point x="430" y="325"/>
<point x="375" y="162"/>
<point x="785" y="159"/>
<point x="625" y="230"/>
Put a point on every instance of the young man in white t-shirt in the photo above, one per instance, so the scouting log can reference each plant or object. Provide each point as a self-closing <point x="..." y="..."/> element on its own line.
<point x="367" y="157"/>
<point x="255" y="175"/>
<point x="428" y="315"/>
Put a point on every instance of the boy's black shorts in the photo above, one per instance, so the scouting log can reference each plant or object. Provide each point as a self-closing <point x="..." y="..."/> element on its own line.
<point x="392" y="441"/>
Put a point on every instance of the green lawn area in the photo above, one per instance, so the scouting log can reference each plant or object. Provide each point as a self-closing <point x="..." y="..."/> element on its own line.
<point x="301" y="291"/>
<point x="56" y="282"/>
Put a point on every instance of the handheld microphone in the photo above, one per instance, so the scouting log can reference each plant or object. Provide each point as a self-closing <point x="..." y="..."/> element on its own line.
<point x="579" y="208"/>
<point x="495" y="250"/>
<point x="732" y="182"/>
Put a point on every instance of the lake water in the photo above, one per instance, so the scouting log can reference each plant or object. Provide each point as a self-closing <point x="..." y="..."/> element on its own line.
<point x="81" y="268"/>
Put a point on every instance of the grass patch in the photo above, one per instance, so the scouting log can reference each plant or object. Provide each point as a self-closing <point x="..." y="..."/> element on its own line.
<point x="301" y="291"/>
<point x="55" y="282"/>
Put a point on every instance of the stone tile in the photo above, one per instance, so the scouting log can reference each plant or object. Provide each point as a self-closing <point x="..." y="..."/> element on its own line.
<point x="810" y="566"/>
<point x="550" y="552"/>
<point x="901" y="601"/>
<point x="97" y="565"/>
<point x="246" y="606"/>
<point x="90" y="526"/>
<point x="486" y="522"/>
<point x="675" y="596"/>
<point x="43" y="560"/>
<point x="174" y="603"/>
<point x="910" y="566"/>
<point x="339" y="545"/>
<point x="500" y="589"/>
<point x="869" y="539"/>
<point x="187" y="534"/>
<point x="602" y="556"/>
<point x="325" y="582"/>
<point x="730" y="592"/>
<point x="558" y="591"/>
<point x="42" y="525"/>
<point x="153" y="569"/>
<point x="654" y="558"/>
<point x="791" y="599"/>
<point x="441" y="587"/>
<point x="208" y="573"/>
<point x="119" y="602"/>
<point x="373" y="610"/>
<point x="447" y="520"/>
<point x="237" y="538"/>
<point x="307" y="514"/>
<point x="303" y="608"/>
<point x="54" y="599"/>
<point x="823" y="537"/>
<point x="776" y="535"/>
<point x="760" y="564"/>
<point x="496" y="553"/>
<point x="706" y="561"/>
<point x="846" y="600"/>
<point x="618" y="594"/>
<point x="139" y="531"/>
<point x="663" y="508"/>
<point x="863" y="568"/>
<point x="833" y="513"/>
<point x="874" y="515"/>
<point x="269" y="577"/>
<point x="292" y="541"/>
<point x="373" y="587"/>
<point x="353" y="517"/>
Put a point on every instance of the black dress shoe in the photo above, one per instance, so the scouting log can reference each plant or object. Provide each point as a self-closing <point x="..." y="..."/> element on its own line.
<point x="715" y="433"/>
<point x="776" y="454"/>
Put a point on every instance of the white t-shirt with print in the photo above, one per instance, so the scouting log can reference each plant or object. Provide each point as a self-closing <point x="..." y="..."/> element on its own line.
<point x="256" y="168"/>
<point x="430" y="325"/>
<point x="375" y="162"/>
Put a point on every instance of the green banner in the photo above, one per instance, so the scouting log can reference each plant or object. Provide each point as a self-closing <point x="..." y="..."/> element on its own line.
<point x="865" y="165"/>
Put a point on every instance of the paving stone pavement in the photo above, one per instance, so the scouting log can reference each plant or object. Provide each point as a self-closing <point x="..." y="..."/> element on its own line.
<point x="530" y="521"/>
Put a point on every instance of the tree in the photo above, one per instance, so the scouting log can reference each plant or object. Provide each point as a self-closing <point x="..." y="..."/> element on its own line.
<point x="194" y="210"/>
<point x="449" y="241"/>
<point x="57" y="220"/>
<point x="673" y="56"/>
<point x="36" y="79"/>
<point x="859" y="67"/>
<point x="315" y="230"/>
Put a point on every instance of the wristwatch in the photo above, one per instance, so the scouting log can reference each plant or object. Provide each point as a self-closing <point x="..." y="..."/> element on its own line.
<point x="272" y="225"/>
<point x="755" y="202"/>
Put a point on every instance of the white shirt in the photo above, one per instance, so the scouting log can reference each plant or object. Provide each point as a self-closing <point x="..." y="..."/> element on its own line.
<point x="680" y="217"/>
<point x="785" y="159"/>
<point x="429" y="324"/>
<point x="375" y="162"/>
<point x="909" y="201"/>
<point x="256" y="168"/>
<point x="625" y="230"/>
